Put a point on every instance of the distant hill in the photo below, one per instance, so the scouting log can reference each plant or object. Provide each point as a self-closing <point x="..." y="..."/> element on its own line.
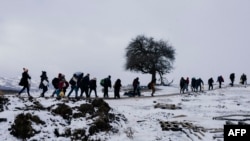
<point x="10" y="85"/>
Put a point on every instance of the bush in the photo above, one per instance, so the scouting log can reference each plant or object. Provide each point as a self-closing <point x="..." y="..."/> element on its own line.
<point x="86" y="108"/>
<point x="22" y="126"/>
<point x="63" y="110"/>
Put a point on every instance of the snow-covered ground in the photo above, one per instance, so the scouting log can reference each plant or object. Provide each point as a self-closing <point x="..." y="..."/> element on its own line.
<point x="144" y="120"/>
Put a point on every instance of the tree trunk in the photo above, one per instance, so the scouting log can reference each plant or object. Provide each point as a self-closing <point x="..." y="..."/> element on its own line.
<point x="161" y="78"/>
<point x="153" y="76"/>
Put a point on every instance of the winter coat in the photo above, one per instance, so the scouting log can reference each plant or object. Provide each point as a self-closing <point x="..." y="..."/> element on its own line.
<point x="92" y="84"/>
<point x="193" y="82"/>
<point x="63" y="84"/>
<point x="199" y="82"/>
<point x="25" y="79"/>
<point x="210" y="81"/>
<point x="187" y="81"/>
<point x="84" y="83"/>
<point x="152" y="85"/>
<point x="44" y="80"/>
<point x="243" y="77"/>
<point x="136" y="82"/>
<point x="117" y="85"/>
<point x="107" y="82"/>
<point x="182" y="83"/>
<point x="220" y="79"/>
<point x="232" y="76"/>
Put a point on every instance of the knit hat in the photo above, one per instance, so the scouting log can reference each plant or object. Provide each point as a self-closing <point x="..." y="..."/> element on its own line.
<point x="25" y="69"/>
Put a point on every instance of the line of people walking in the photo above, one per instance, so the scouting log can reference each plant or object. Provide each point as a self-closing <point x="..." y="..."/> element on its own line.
<point x="198" y="84"/>
<point x="87" y="85"/>
<point x="77" y="81"/>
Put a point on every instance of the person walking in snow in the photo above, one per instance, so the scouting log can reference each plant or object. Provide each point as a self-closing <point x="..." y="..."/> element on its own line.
<point x="182" y="85"/>
<point x="186" y="84"/>
<point x="65" y="84"/>
<point x="232" y="77"/>
<point x="92" y="86"/>
<point x="117" y="88"/>
<point x="25" y="82"/>
<point x="243" y="79"/>
<point x="55" y="83"/>
<point x="152" y="85"/>
<point x="136" y="86"/>
<point x="75" y="83"/>
<point x="84" y="86"/>
<point x="199" y="84"/>
<point x="62" y="86"/>
<point x="210" y="83"/>
<point x="193" y="82"/>
<point x="43" y="83"/>
<point x="107" y="84"/>
<point x="220" y="79"/>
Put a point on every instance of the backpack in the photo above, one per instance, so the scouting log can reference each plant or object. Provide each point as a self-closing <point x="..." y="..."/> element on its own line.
<point x="55" y="82"/>
<point x="102" y="82"/>
<point x="149" y="85"/>
<point x="73" y="81"/>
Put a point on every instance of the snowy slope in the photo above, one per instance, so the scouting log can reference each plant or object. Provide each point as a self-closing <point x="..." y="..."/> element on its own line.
<point x="143" y="119"/>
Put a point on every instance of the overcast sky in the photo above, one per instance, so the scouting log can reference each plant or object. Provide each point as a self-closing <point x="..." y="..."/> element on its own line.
<point x="211" y="37"/>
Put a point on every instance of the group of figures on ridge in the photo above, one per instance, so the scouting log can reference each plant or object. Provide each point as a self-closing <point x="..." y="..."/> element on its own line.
<point x="87" y="85"/>
<point x="78" y="81"/>
<point x="198" y="84"/>
<point x="60" y="84"/>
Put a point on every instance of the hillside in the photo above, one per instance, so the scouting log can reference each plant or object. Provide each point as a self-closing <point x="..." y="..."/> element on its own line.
<point x="167" y="116"/>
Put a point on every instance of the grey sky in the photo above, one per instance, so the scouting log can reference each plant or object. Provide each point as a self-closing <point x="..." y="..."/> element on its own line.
<point x="211" y="37"/>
